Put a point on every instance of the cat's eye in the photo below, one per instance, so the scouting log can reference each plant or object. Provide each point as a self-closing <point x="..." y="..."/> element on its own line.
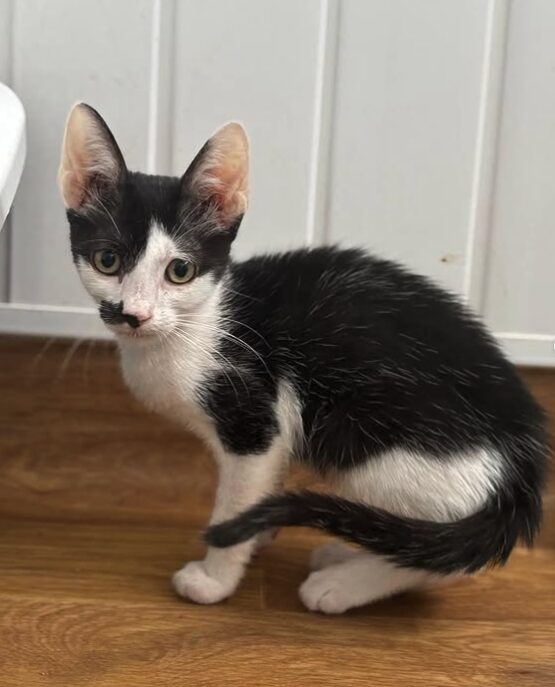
<point x="106" y="261"/>
<point x="180" y="271"/>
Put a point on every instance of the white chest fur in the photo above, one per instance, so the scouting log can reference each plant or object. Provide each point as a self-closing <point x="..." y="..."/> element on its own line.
<point x="167" y="378"/>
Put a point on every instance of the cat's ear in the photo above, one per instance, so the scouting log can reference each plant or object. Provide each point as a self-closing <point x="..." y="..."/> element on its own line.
<point x="92" y="163"/>
<point x="219" y="174"/>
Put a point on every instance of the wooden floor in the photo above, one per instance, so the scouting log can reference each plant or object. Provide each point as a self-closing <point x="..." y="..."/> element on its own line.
<point x="100" y="502"/>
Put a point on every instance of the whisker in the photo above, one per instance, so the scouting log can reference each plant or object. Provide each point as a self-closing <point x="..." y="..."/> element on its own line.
<point x="177" y="227"/>
<point x="67" y="358"/>
<point x="97" y="199"/>
<point x="199" y="347"/>
<point x="86" y="359"/>
<point x="243" y="295"/>
<point x="47" y="344"/>
<point x="191" y="342"/>
<point x="242" y="324"/>
<point x="230" y="337"/>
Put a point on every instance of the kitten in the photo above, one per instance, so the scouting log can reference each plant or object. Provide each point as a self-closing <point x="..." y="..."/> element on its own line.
<point x="380" y="381"/>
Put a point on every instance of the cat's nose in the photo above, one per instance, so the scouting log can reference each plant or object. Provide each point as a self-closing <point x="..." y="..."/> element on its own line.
<point x="135" y="316"/>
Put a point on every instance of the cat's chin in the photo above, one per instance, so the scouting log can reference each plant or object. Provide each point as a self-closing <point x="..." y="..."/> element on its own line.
<point x="138" y="336"/>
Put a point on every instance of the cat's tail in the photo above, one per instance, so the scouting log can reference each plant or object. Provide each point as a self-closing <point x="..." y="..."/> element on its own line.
<point x="484" y="538"/>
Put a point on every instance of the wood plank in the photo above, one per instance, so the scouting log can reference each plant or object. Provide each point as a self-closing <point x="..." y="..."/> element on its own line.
<point x="110" y="644"/>
<point x="100" y="502"/>
<point x="130" y="563"/>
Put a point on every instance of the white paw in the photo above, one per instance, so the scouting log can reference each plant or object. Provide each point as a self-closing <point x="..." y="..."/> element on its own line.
<point x="331" y="553"/>
<point x="194" y="583"/>
<point x="325" y="591"/>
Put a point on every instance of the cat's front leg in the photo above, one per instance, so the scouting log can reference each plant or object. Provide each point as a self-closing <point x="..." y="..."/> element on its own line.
<point x="243" y="480"/>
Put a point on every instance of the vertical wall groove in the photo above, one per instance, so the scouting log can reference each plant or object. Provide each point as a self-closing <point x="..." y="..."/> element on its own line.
<point x="154" y="90"/>
<point x="160" y="102"/>
<point x="485" y="163"/>
<point x="322" y="130"/>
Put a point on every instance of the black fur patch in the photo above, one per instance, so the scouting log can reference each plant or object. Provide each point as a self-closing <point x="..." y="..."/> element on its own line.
<point x="112" y="313"/>
<point x="466" y="545"/>
<point x="381" y="359"/>
<point x="243" y="410"/>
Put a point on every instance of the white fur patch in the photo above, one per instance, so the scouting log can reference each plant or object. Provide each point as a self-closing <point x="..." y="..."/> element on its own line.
<point x="356" y="581"/>
<point x="243" y="481"/>
<point x="289" y="415"/>
<point x="166" y="373"/>
<point x="425" y="487"/>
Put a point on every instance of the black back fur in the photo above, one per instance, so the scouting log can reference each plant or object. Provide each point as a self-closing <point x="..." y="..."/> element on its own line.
<point x="381" y="359"/>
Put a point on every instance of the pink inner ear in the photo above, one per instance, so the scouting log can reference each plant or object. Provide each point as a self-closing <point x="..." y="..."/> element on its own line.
<point x="86" y="154"/>
<point x="228" y="189"/>
<point x="224" y="174"/>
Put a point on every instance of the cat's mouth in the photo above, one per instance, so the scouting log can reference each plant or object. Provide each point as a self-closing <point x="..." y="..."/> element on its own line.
<point x="128" y="333"/>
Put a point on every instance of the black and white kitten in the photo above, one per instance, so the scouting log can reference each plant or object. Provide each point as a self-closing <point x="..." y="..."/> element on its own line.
<point x="380" y="381"/>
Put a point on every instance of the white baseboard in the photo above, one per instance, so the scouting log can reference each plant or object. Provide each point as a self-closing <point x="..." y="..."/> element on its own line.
<point x="50" y="320"/>
<point x="65" y="321"/>
<point x="537" y="350"/>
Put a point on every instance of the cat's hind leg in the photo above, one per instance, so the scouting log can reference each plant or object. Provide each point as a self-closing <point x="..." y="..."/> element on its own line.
<point x="358" y="580"/>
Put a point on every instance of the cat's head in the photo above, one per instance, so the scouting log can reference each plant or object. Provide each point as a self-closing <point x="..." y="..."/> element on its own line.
<point x="150" y="249"/>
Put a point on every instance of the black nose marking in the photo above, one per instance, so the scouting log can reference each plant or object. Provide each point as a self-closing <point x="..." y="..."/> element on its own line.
<point x="112" y="313"/>
<point x="131" y="320"/>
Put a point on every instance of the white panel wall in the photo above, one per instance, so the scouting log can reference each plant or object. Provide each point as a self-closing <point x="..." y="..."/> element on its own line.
<point x="52" y="68"/>
<point x="419" y="128"/>
<point x="520" y="281"/>
<point x="405" y="130"/>
<point x="5" y="39"/>
<point x="255" y="61"/>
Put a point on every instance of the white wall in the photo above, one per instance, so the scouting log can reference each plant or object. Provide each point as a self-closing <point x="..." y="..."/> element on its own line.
<point x="519" y="286"/>
<point x="405" y="130"/>
<point x="419" y="128"/>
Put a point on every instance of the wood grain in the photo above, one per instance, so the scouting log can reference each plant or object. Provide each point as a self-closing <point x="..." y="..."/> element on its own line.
<point x="100" y="502"/>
